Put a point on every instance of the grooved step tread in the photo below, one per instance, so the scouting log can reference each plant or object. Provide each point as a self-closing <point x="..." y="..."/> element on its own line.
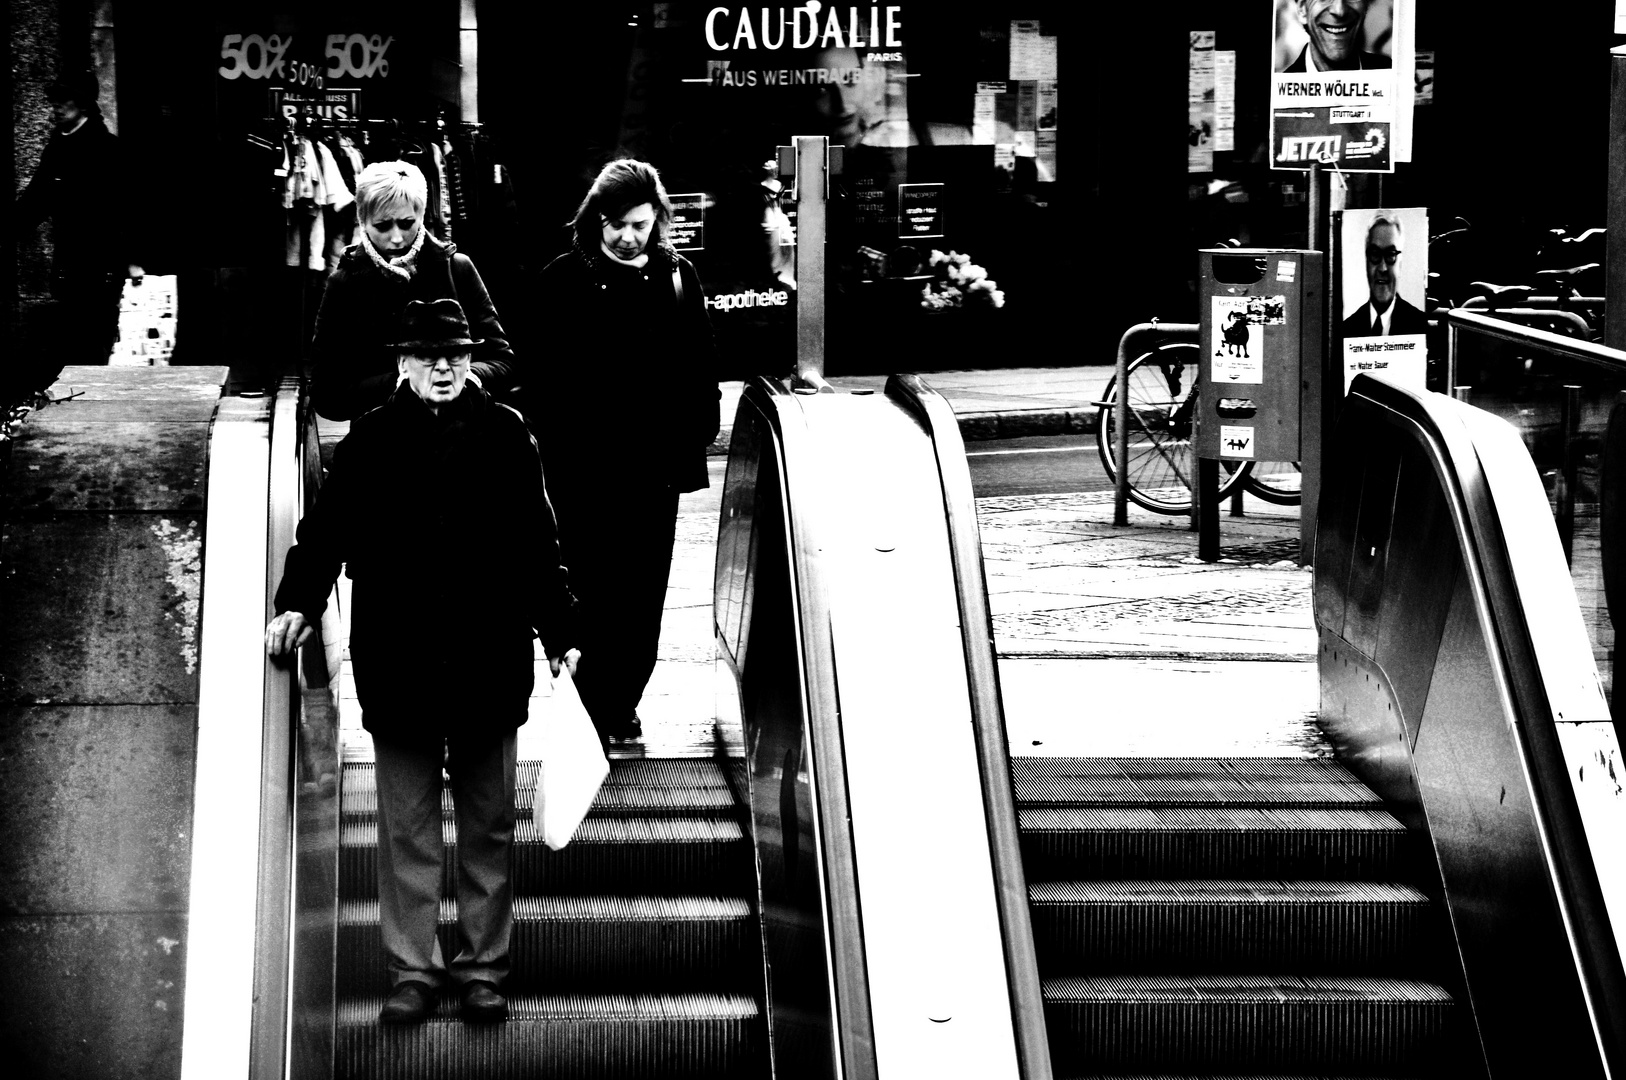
<point x="656" y="830"/>
<point x="1230" y="989"/>
<point x="1222" y="893"/>
<point x="1238" y="819"/>
<point x="583" y="909"/>
<point x="362" y="1010"/>
<point x="634" y="786"/>
<point x="1187" y="781"/>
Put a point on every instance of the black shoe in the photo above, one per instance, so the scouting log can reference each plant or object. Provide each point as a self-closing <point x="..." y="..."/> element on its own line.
<point x="409" y="1004"/>
<point x="628" y="730"/>
<point x="483" y="1004"/>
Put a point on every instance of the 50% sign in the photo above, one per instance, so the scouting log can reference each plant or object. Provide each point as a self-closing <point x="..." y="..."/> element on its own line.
<point x="356" y="56"/>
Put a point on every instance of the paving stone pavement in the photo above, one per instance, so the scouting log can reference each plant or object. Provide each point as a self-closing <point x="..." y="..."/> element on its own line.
<point x="1112" y="640"/>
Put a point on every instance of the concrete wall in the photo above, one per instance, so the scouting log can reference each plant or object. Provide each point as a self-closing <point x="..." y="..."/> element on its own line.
<point x="100" y="599"/>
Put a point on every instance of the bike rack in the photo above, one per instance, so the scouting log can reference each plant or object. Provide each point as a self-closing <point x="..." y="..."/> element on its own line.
<point x="1120" y="408"/>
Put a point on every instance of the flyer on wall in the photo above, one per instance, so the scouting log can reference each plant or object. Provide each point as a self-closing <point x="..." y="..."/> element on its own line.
<point x="1334" y="96"/>
<point x="1383" y="267"/>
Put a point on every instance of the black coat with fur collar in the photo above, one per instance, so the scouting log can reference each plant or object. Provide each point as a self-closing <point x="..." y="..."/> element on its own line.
<point x="443" y="524"/>
<point x="355" y="367"/>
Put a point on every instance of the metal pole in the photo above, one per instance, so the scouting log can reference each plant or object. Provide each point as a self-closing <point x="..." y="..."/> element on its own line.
<point x="812" y="194"/>
<point x="1120" y="433"/>
<point x="1451" y="337"/>
<point x="1570" y="424"/>
<point x="1614" y="310"/>
<point x="1206" y="498"/>
<point x="1313" y="202"/>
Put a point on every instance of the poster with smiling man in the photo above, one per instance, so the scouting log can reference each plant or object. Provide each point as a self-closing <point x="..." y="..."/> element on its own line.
<point x="1333" y="86"/>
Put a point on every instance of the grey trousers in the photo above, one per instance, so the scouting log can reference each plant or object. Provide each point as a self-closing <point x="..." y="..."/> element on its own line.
<point x="410" y="856"/>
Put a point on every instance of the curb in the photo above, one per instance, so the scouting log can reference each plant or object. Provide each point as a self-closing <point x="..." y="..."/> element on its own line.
<point x="983" y="426"/>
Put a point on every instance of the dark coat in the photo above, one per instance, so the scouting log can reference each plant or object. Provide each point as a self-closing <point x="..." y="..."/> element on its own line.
<point x="355" y="365"/>
<point x="1406" y="319"/>
<point x="79" y="185"/>
<point x="443" y="523"/>
<point x="630" y="377"/>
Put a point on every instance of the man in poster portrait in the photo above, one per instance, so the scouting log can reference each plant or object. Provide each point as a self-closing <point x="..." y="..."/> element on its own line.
<point x="1384" y="312"/>
<point x="1336" y="29"/>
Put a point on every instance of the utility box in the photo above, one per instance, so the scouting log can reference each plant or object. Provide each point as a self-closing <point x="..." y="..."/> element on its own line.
<point x="1261" y="318"/>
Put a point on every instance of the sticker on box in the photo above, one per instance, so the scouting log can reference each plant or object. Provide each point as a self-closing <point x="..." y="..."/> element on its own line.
<point x="1236" y="442"/>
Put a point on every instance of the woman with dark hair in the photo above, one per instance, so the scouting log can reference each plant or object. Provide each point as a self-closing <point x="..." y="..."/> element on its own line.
<point x="630" y="353"/>
<point x="394" y="261"/>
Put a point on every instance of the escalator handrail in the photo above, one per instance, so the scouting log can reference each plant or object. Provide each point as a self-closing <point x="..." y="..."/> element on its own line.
<point x="1437" y="425"/>
<point x="1569" y="348"/>
<point x="218" y="1012"/>
<point x="987" y="720"/>
<point x="850" y="1004"/>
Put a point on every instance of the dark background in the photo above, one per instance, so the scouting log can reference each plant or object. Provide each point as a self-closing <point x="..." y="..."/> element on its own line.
<point x="1514" y="143"/>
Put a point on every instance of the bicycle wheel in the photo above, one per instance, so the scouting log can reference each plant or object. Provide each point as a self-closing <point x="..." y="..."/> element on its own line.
<point x="1277" y="482"/>
<point x="1162" y="399"/>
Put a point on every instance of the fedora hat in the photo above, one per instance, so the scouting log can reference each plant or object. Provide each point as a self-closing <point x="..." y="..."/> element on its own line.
<point x="431" y="327"/>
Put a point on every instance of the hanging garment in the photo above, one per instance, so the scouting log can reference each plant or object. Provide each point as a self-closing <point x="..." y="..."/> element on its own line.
<point x="338" y="207"/>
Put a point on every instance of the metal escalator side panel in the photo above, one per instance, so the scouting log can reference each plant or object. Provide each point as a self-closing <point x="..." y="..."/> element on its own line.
<point x="764" y="601"/>
<point x="1432" y="693"/>
<point x="220" y="946"/>
<point x="988" y="720"/>
<point x="1571" y="726"/>
<point x="867" y="512"/>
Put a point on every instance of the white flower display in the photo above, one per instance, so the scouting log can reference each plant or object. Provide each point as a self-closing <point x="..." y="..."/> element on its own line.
<point x="958" y="282"/>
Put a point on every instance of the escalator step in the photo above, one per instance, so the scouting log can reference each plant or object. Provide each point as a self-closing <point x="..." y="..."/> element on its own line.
<point x="1347" y="927"/>
<point x="587" y="943"/>
<point x="1222" y="1076"/>
<point x="561" y="1037"/>
<point x="1187" y="782"/>
<point x="1321" y="1024"/>
<point x="607" y="855"/>
<point x="688" y="787"/>
<point x="1192" y="841"/>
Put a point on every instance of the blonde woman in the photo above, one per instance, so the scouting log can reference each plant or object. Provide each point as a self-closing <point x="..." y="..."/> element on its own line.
<point x="394" y="261"/>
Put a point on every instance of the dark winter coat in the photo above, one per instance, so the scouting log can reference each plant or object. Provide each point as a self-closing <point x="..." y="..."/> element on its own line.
<point x="444" y="526"/>
<point x="78" y="186"/>
<point x="355" y="364"/>
<point x="629" y="375"/>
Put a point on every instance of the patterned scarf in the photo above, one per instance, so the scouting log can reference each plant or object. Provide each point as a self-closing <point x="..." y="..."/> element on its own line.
<point x="403" y="265"/>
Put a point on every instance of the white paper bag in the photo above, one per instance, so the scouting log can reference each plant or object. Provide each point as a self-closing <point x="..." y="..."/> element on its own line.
<point x="573" y="765"/>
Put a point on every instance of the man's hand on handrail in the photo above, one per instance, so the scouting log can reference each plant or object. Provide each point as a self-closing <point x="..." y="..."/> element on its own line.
<point x="285" y="633"/>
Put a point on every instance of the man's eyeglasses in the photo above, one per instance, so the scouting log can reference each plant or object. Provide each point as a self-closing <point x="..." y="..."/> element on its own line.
<point x="1382" y="255"/>
<point x="460" y="360"/>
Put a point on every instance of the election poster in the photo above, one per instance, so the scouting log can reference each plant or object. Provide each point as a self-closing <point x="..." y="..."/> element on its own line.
<point x="1334" y="95"/>
<point x="1383" y="265"/>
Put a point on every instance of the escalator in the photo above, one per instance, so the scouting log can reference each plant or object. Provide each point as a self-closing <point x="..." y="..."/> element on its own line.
<point x="799" y="904"/>
<point x="1443" y="900"/>
<point x="635" y="948"/>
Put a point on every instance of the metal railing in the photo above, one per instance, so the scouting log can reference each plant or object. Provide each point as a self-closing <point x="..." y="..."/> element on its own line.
<point x="1558" y="392"/>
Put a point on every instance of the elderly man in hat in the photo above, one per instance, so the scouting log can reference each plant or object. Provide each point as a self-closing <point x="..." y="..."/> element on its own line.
<point x="435" y="506"/>
<point x="77" y="186"/>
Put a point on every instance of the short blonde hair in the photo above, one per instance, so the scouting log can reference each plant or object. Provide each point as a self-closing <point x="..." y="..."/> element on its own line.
<point x="390" y="183"/>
